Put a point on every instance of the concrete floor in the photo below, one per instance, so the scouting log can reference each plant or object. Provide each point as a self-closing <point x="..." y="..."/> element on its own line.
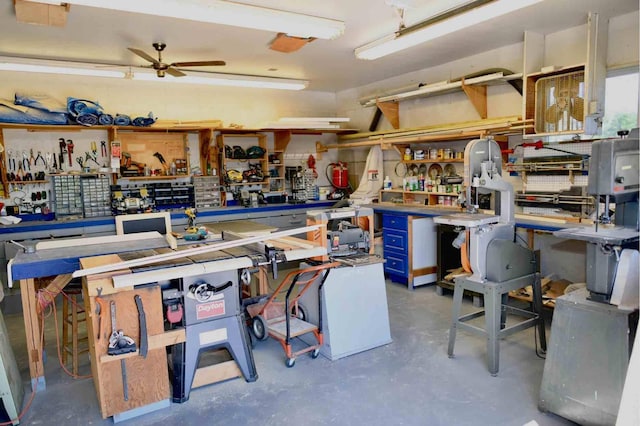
<point x="408" y="382"/>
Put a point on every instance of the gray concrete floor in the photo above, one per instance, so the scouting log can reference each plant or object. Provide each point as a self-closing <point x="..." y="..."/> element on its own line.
<point x="408" y="382"/>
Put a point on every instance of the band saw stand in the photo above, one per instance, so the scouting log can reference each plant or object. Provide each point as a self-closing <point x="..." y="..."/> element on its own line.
<point x="498" y="263"/>
<point x="583" y="380"/>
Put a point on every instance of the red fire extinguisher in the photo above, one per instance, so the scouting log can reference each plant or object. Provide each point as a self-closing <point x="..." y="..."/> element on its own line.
<point x="339" y="175"/>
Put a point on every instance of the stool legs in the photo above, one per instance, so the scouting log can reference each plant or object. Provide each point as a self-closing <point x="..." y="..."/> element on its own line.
<point x="71" y="319"/>
<point x="458" y="292"/>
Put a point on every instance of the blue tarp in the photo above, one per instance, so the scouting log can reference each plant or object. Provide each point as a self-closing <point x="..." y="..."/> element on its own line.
<point x="10" y="113"/>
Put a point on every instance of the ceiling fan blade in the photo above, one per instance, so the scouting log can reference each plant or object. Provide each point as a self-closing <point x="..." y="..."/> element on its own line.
<point x="174" y="72"/>
<point x="143" y="55"/>
<point x="198" y="64"/>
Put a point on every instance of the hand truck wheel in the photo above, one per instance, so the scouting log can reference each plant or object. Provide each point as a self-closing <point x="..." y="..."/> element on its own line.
<point x="259" y="328"/>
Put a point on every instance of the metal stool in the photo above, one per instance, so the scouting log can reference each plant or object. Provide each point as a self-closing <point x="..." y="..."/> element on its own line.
<point x="73" y="314"/>
<point x="495" y="312"/>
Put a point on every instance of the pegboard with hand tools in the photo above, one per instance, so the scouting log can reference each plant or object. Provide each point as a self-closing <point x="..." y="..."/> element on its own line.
<point x="30" y="157"/>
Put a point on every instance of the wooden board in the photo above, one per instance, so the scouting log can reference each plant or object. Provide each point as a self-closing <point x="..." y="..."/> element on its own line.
<point x="142" y="146"/>
<point x="147" y="378"/>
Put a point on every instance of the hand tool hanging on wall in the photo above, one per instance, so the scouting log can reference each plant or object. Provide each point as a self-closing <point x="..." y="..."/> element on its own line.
<point x="70" y="149"/>
<point x="94" y="149"/>
<point x="103" y="148"/>
<point x="40" y="157"/>
<point x="63" y="151"/>
<point x="120" y="344"/>
<point x="55" y="161"/>
<point x="12" y="161"/>
<point x="32" y="159"/>
<point x="162" y="160"/>
<point x="80" y="162"/>
<point x="88" y="156"/>
<point x="25" y="161"/>
<point x="144" y="345"/>
<point x="101" y="310"/>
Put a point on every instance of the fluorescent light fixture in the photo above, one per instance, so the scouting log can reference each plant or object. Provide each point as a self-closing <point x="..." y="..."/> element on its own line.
<point x="54" y="67"/>
<point x="143" y="74"/>
<point x="224" y="13"/>
<point x="418" y="34"/>
<point x="221" y="79"/>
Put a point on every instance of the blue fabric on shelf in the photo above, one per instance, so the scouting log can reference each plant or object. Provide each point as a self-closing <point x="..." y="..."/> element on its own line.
<point x="84" y="111"/>
<point x="76" y="106"/>
<point x="10" y="113"/>
<point x="144" y="121"/>
<point x="105" y="119"/>
<point x="87" y="119"/>
<point x="122" y="120"/>
<point x="41" y="102"/>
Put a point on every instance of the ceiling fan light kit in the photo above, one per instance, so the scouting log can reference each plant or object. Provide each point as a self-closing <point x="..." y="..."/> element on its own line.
<point x="224" y="13"/>
<point x="429" y="30"/>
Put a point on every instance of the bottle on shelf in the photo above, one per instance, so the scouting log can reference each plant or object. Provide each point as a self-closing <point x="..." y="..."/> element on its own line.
<point x="387" y="183"/>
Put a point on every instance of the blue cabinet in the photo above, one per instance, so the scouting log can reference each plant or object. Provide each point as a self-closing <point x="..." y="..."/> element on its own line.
<point x="409" y="244"/>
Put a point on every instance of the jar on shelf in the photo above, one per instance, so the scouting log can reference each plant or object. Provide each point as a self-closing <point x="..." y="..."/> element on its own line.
<point x="447" y="154"/>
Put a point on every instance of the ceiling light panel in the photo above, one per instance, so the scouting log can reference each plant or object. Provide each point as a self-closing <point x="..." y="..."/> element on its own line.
<point x="225" y="13"/>
<point x="54" y="67"/>
<point x="408" y="38"/>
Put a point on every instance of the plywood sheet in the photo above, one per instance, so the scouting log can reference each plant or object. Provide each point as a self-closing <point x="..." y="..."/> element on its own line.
<point x="143" y="145"/>
<point x="147" y="378"/>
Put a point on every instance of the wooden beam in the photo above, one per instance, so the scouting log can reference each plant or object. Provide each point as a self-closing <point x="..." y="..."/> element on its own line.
<point x="390" y="111"/>
<point x="505" y="121"/>
<point x="477" y="94"/>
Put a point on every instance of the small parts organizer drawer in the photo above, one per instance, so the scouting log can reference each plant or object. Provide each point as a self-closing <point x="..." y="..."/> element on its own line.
<point x="391" y="221"/>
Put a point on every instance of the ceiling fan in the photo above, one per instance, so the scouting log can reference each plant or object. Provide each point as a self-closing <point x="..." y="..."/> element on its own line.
<point x="162" y="67"/>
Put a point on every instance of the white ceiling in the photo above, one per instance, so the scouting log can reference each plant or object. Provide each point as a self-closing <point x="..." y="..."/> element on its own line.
<point x="97" y="35"/>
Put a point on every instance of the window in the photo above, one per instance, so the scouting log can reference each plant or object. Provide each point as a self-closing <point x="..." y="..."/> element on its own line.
<point x="621" y="101"/>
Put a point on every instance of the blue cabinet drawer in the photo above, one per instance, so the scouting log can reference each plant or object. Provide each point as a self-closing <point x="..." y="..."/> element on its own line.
<point x="395" y="264"/>
<point x="395" y="240"/>
<point x="392" y="221"/>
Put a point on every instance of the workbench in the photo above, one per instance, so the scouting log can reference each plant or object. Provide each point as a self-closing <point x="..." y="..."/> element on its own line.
<point x="26" y="267"/>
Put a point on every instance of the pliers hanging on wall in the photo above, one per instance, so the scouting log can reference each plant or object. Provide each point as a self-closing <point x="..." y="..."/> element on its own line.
<point x="25" y="161"/>
<point x="12" y="160"/>
<point x="103" y="148"/>
<point x="40" y="157"/>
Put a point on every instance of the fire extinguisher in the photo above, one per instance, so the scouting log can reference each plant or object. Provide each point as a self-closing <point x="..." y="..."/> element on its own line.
<point x="339" y="175"/>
